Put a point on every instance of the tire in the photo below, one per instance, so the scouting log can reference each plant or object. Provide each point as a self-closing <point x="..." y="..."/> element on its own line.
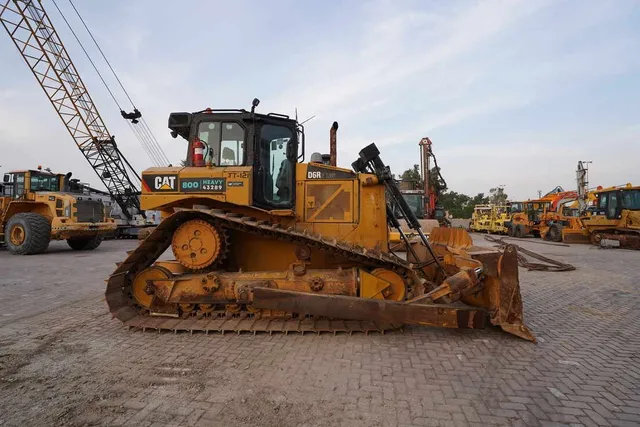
<point x="555" y="233"/>
<point x="36" y="234"/>
<point x="519" y="231"/>
<point x="511" y="230"/>
<point x="84" y="243"/>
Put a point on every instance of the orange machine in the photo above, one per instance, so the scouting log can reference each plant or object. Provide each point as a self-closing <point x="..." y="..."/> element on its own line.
<point x="561" y="222"/>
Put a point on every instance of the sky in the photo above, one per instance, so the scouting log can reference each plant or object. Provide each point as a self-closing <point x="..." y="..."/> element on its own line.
<point x="511" y="93"/>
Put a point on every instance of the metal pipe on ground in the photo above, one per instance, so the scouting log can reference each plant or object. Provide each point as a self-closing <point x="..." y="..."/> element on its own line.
<point x="549" y="264"/>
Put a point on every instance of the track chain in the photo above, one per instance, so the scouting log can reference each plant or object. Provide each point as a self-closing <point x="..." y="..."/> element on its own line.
<point x="123" y="307"/>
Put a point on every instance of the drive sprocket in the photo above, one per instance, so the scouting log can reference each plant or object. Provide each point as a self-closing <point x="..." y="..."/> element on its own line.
<point x="198" y="244"/>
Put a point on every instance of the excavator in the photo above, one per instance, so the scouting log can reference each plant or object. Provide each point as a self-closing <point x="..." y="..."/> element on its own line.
<point x="263" y="242"/>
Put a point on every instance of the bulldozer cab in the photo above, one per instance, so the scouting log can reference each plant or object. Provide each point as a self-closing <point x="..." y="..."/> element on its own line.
<point x="612" y="203"/>
<point x="234" y="138"/>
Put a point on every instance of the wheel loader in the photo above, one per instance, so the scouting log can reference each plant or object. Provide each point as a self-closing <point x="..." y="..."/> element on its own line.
<point x="526" y="217"/>
<point x="261" y="241"/>
<point x="38" y="206"/>
<point x="616" y="217"/>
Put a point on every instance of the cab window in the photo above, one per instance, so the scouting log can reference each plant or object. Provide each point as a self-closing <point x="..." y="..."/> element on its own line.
<point x="224" y="143"/>
<point x="42" y="182"/>
<point x="612" y="207"/>
<point x="631" y="199"/>
<point x="232" y="145"/>
<point x="602" y="201"/>
<point x="277" y="172"/>
<point x="18" y="184"/>
<point x="7" y="187"/>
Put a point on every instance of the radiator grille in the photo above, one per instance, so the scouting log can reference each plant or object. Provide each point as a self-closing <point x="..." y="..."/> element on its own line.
<point x="89" y="211"/>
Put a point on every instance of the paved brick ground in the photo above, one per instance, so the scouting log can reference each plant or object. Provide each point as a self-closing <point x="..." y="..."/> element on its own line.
<point x="63" y="361"/>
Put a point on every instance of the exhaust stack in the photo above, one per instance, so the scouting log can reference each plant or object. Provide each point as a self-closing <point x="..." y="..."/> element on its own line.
<point x="333" y="142"/>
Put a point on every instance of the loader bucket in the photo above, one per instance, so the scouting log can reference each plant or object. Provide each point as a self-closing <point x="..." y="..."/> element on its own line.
<point x="499" y="293"/>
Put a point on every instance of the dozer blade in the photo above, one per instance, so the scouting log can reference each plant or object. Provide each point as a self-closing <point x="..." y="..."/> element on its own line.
<point x="375" y="310"/>
<point x="574" y="237"/>
<point x="499" y="293"/>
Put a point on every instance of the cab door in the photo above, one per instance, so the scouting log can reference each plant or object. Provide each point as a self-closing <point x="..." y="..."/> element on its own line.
<point x="613" y="205"/>
<point x="274" y="174"/>
<point x="19" y="183"/>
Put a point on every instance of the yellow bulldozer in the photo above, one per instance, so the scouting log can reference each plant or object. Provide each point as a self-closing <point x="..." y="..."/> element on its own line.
<point x="263" y="242"/>
<point x="500" y="215"/>
<point x="490" y="219"/>
<point x="481" y="219"/>
<point x="38" y="206"/>
<point x="615" y="217"/>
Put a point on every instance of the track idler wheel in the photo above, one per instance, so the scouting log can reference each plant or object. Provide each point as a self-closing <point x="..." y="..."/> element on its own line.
<point x="197" y="244"/>
<point x="396" y="290"/>
<point x="140" y="289"/>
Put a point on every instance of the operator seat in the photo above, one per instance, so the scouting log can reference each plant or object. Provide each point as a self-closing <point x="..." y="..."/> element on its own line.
<point x="228" y="156"/>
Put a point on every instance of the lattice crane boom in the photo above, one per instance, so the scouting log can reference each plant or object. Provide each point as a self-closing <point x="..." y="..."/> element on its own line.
<point x="33" y="33"/>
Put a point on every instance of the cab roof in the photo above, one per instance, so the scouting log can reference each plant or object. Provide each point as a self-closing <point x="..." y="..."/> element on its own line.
<point x="34" y="171"/>
<point x="626" y="187"/>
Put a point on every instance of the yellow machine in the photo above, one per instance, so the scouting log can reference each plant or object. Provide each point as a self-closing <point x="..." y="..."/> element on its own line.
<point x="490" y="219"/>
<point x="264" y="242"/>
<point x="481" y="219"/>
<point x="526" y="217"/>
<point x="499" y="216"/>
<point x="37" y="207"/>
<point x="616" y="217"/>
<point x="565" y="226"/>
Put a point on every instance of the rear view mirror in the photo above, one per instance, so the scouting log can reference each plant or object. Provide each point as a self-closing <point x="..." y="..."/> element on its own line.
<point x="6" y="178"/>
